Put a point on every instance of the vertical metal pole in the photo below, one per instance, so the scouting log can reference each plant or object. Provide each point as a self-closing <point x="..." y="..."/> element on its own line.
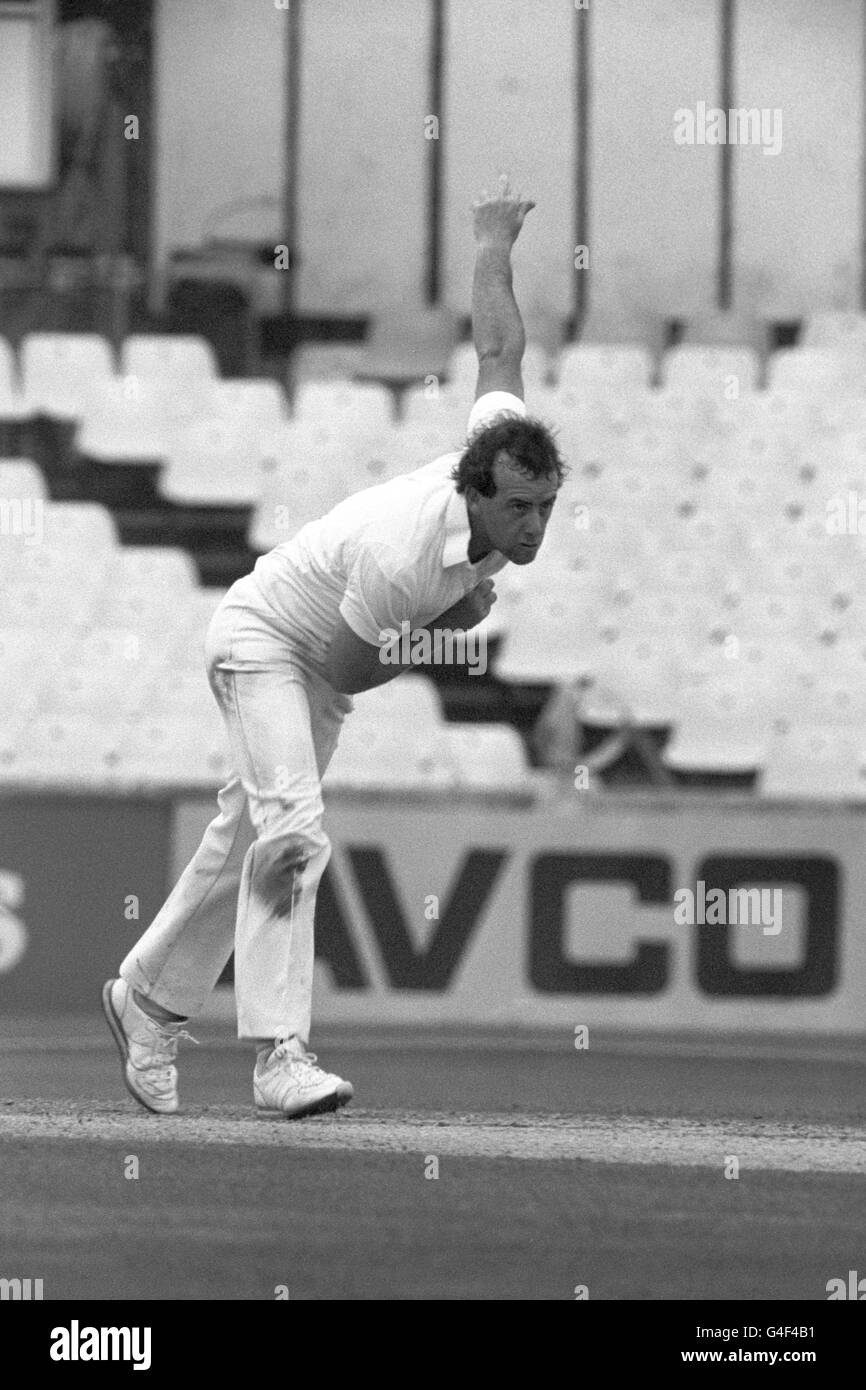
<point x="433" y="250"/>
<point x="724" y="289"/>
<point x="581" y="140"/>
<point x="292" y="147"/>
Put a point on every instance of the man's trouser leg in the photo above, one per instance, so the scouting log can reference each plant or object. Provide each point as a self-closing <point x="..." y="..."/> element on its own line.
<point x="283" y="722"/>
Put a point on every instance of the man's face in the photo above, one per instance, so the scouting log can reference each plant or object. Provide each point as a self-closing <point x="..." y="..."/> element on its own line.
<point x="515" y="518"/>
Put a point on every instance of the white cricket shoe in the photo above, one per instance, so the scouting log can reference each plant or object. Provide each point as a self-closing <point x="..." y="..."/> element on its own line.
<point x="147" y="1049"/>
<point x="288" y="1082"/>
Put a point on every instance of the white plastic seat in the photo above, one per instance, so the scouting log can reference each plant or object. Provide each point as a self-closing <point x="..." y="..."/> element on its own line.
<point x="695" y="368"/>
<point x="147" y="588"/>
<point x="21" y="478"/>
<point x="108" y="691"/>
<point x="178" y="750"/>
<point x="408" y="699"/>
<point x="57" y="750"/>
<point x="835" y="329"/>
<point x="488" y="757"/>
<point x="813" y="372"/>
<point x="51" y="589"/>
<point x="86" y="528"/>
<point x="815" y="763"/>
<point x="168" y="356"/>
<point x="547" y="636"/>
<point x="355" y="406"/>
<point x="29" y="662"/>
<point x="217" y="462"/>
<point x="125" y="421"/>
<point x="254" y="403"/>
<point x="634" y="678"/>
<point x="60" y="371"/>
<point x="294" y="493"/>
<point x="399" y="756"/>
<point x="181" y="693"/>
<point x="724" y="720"/>
<point x="603" y="369"/>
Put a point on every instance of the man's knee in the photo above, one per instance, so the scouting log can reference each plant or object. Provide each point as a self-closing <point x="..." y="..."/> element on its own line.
<point x="284" y="854"/>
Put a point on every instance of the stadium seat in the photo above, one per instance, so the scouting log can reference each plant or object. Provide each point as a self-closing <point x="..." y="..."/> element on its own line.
<point x="547" y="637"/>
<point x="354" y="405"/>
<point x="409" y="699"/>
<point x="178" y="751"/>
<point x="815" y="763"/>
<point x="180" y="694"/>
<point x="633" y="677"/>
<point x="303" y="483"/>
<point x="60" y="371"/>
<point x="253" y="403"/>
<point x="603" y="369"/>
<point x="814" y="372"/>
<point x="170" y="357"/>
<point x="220" y="462"/>
<point x="147" y="588"/>
<point x="372" y="756"/>
<point x="84" y="528"/>
<point x="709" y="370"/>
<point x="724" y="719"/>
<point x="29" y="663"/>
<point x="129" y="420"/>
<point x="63" y="751"/>
<point x="488" y="757"/>
<point x="87" y="688"/>
<point x="838" y="330"/>
<point x="20" y="478"/>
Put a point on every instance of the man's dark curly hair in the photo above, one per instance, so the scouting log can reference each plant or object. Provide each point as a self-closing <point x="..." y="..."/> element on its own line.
<point x="530" y="443"/>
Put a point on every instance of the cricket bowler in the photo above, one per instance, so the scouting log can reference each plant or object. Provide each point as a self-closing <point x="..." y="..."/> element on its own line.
<point x="288" y="647"/>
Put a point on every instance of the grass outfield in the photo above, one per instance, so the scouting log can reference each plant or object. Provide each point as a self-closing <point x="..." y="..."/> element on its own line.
<point x="604" y="1168"/>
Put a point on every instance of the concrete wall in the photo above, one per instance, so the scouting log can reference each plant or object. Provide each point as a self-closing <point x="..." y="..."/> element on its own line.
<point x="509" y="103"/>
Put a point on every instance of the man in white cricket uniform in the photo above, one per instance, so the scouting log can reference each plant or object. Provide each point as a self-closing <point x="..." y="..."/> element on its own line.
<point x="286" y="650"/>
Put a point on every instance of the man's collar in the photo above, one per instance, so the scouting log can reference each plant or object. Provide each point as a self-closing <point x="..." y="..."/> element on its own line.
<point x="458" y="532"/>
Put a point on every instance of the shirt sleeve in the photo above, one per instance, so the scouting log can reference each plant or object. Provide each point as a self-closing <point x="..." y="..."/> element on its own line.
<point x="376" y="600"/>
<point x="491" y="404"/>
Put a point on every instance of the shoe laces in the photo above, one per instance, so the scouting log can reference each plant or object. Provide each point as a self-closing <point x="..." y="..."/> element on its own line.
<point x="284" y="1053"/>
<point x="167" y="1037"/>
<point x="174" y="1032"/>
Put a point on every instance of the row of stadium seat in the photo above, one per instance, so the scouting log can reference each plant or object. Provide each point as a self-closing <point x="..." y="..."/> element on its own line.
<point x="166" y="381"/>
<point x="181" y="741"/>
<point x="706" y="582"/>
<point x="124" y="676"/>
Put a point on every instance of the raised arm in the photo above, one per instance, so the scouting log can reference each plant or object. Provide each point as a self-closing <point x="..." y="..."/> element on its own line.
<point x="497" y="327"/>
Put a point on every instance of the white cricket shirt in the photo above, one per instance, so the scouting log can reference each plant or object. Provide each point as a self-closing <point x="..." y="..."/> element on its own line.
<point x="393" y="552"/>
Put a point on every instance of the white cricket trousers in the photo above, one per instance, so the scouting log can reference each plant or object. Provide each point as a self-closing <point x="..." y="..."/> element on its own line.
<point x="283" y="722"/>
